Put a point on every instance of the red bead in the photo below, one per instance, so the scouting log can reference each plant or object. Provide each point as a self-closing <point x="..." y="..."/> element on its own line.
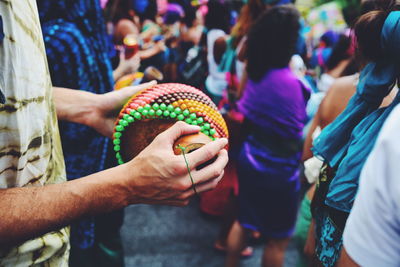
<point x="133" y="106"/>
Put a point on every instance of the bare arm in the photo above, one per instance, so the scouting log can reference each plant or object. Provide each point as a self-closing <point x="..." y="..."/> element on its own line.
<point x="219" y="49"/>
<point x="158" y="47"/>
<point x="126" y="66"/>
<point x="307" y="153"/>
<point x="345" y="260"/>
<point x="96" y="111"/>
<point x="242" y="84"/>
<point x="35" y="211"/>
<point x="155" y="176"/>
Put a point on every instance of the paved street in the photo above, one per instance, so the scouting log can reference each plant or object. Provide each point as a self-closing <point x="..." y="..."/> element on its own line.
<point x="159" y="236"/>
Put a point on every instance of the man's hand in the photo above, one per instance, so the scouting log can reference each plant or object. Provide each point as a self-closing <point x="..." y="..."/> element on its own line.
<point x="96" y="111"/>
<point x="126" y="66"/>
<point x="108" y="107"/>
<point x="163" y="177"/>
<point x="155" y="176"/>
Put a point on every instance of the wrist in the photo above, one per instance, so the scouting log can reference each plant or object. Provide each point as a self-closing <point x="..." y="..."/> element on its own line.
<point x="91" y="109"/>
<point x="129" y="186"/>
<point x="117" y="73"/>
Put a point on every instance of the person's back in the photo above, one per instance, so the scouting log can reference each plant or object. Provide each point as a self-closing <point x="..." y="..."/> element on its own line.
<point x="274" y="107"/>
<point x="336" y="99"/>
<point x="276" y="103"/>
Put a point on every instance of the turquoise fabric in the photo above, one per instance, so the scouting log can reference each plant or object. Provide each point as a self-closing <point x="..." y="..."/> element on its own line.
<point x="229" y="56"/>
<point x="346" y="143"/>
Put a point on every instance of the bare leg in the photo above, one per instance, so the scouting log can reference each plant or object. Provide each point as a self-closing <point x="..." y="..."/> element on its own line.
<point x="227" y="221"/>
<point x="274" y="252"/>
<point x="235" y="245"/>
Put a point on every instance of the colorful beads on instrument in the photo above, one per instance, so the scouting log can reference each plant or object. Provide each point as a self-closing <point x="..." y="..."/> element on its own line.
<point x="170" y="101"/>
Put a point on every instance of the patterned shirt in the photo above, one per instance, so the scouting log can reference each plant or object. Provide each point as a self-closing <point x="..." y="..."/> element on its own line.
<point x="30" y="148"/>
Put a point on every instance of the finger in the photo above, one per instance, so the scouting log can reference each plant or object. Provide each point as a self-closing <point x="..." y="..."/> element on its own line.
<point x="211" y="184"/>
<point x="171" y="202"/>
<point x="177" y="130"/>
<point x="201" y="187"/>
<point x="206" y="153"/>
<point x="213" y="170"/>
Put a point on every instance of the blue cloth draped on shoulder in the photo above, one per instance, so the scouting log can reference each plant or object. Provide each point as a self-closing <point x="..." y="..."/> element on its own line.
<point x="77" y="52"/>
<point x="346" y="143"/>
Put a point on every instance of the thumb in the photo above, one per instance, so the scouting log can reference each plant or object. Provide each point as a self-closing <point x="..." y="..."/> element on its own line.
<point x="177" y="130"/>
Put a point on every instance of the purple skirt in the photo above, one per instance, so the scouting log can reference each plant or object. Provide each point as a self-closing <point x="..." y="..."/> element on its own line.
<point x="268" y="189"/>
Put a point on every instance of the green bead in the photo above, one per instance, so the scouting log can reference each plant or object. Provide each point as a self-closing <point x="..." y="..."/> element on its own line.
<point x="163" y="106"/>
<point x="120" y="162"/>
<point x="123" y="122"/>
<point x="194" y="122"/>
<point x="137" y="115"/>
<point x="145" y="112"/>
<point x="130" y="119"/>
<point x="181" y="117"/>
<point x="118" y="155"/>
<point x="152" y="112"/>
<point x="188" y="121"/>
<point x="178" y="111"/>
<point x="202" y="129"/>
<point x="206" y="132"/>
<point x="200" y="120"/>
<point x="140" y="109"/>
<point x="126" y="116"/>
<point x="156" y="106"/>
<point x="172" y="115"/>
<point x="147" y="106"/>
<point x="212" y="131"/>
<point x="117" y="148"/>
<point x="193" y="116"/>
<point x="119" y="128"/>
<point x="117" y="142"/>
<point x="207" y="126"/>
<point x="170" y="108"/>
<point x="186" y="112"/>
<point x="117" y="134"/>
<point x="159" y="113"/>
<point x="133" y="112"/>
<point x="166" y="113"/>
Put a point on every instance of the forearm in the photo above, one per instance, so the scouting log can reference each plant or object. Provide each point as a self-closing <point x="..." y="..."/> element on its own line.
<point x="118" y="73"/>
<point x="308" y="143"/>
<point x="74" y="105"/>
<point x="30" y="212"/>
<point x="148" y="53"/>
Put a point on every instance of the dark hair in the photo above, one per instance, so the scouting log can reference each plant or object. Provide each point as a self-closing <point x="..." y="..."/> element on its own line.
<point x="368" y="29"/>
<point x="190" y="16"/>
<point x="150" y="12"/>
<point x="218" y="16"/>
<point x="340" y="52"/>
<point x="272" y="40"/>
<point x="120" y="9"/>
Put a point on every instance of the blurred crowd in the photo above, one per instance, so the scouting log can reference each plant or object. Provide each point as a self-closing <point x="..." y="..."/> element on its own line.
<point x="280" y="72"/>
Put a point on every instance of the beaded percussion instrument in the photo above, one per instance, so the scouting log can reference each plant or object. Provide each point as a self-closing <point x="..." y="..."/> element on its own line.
<point x="153" y="110"/>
